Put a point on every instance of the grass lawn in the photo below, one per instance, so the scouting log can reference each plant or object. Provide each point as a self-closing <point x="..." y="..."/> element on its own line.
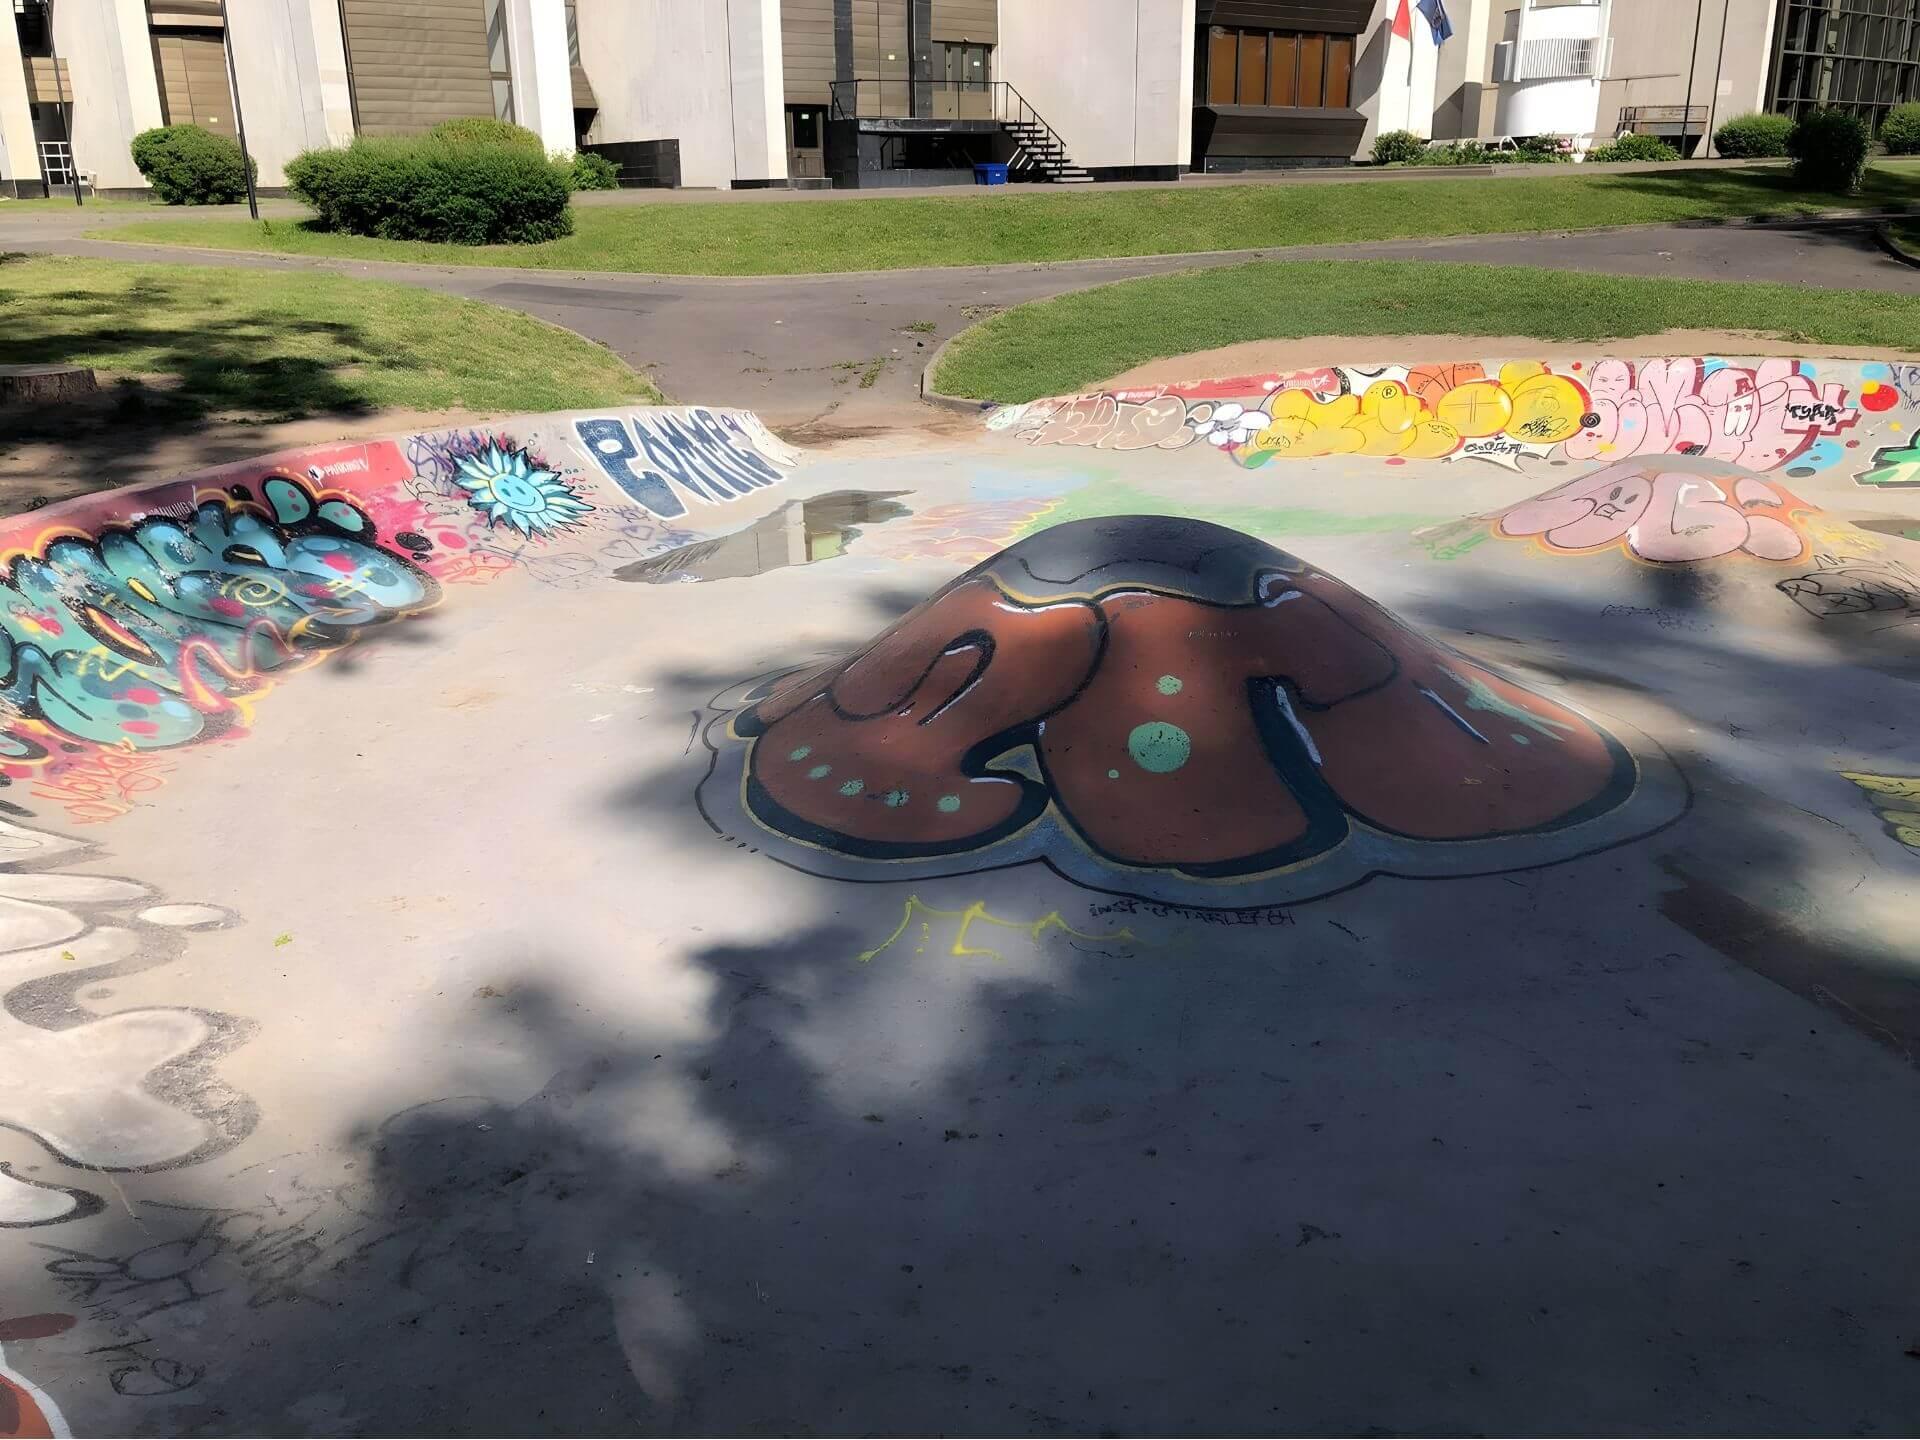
<point x="1906" y="235"/>
<point x="1053" y="347"/>
<point x="1029" y="223"/>
<point x="283" y="346"/>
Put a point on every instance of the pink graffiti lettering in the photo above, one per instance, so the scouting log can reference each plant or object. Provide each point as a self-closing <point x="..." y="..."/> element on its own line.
<point x="1661" y="514"/>
<point x="1760" y="418"/>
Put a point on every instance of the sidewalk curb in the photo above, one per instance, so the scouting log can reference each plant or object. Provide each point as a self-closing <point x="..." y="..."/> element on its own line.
<point x="952" y="402"/>
<point x="1886" y="242"/>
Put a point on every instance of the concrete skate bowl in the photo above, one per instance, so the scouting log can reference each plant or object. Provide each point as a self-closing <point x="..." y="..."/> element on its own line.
<point x="1154" y="917"/>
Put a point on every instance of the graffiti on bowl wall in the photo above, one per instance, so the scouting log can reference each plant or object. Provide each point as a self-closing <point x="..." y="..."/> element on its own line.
<point x="1761" y="415"/>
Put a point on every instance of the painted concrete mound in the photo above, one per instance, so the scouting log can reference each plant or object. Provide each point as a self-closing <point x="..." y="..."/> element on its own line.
<point x="1169" y="708"/>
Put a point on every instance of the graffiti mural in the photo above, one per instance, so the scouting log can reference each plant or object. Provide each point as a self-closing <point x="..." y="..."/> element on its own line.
<point x="26" y="1411"/>
<point x="155" y="633"/>
<point x="1896" y="800"/>
<point x="712" y="456"/>
<point x="1761" y="415"/>
<point x="1174" y="710"/>
<point x="1670" y="511"/>
<point x="919" y="920"/>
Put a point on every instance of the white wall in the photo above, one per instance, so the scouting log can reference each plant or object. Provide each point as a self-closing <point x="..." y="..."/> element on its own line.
<point x="1382" y="88"/>
<point x="292" y="69"/>
<point x="703" y="72"/>
<point x="542" y="74"/>
<point x="110" y="60"/>
<point x="1113" y="77"/>
<point x="19" y="154"/>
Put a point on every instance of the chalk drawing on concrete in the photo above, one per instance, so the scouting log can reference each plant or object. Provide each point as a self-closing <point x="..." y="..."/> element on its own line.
<point x="1671" y="510"/>
<point x="1173" y="710"/>
<point x="130" y="1090"/>
<point x="915" y="932"/>
<point x="1896" y="800"/>
<point x="1852" y="585"/>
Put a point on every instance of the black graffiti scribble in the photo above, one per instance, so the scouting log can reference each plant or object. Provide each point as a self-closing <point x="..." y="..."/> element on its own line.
<point x="1852" y="586"/>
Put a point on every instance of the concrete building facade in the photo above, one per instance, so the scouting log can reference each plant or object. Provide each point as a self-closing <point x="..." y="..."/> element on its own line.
<point x="741" y="93"/>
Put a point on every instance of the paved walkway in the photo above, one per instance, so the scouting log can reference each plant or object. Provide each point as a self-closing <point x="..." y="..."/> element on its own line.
<point x="838" y="350"/>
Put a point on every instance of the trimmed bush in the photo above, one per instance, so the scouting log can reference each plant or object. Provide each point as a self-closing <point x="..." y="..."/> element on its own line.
<point x="189" y="165"/>
<point x="1753" y="137"/>
<point x="1900" y="131"/>
<point x="1633" y="147"/>
<point x="1829" y="150"/>
<point x="426" y="189"/>
<point x="594" y="172"/>
<point x="485" y="130"/>
<point x="1397" y="147"/>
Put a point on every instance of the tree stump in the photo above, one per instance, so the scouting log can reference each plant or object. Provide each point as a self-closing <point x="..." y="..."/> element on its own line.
<point x="44" y="384"/>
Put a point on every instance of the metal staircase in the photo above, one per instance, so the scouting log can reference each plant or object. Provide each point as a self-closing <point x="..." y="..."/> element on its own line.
<point x="1037" y="146"/>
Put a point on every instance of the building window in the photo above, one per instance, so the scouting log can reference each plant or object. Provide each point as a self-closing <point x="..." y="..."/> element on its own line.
<point x="498" y="60"/>
<point x="1284" y="69"/>
<point x="959" y="63"/>
<point x="573" y="33"/>
<point x="1858" y="55"/>
<point x="35" y="29"/>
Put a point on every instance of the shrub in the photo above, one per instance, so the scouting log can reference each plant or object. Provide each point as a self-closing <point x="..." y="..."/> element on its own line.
<point x="187" y="165"/>
<point x="485" y="130"/>
<point x="426" y="189"/>
<point x="1397" y="147"/>
<point x="594" y="172"/>
<point x="1900" y="131"/>
<point x="1829" y="150"/>
<point x="1633" y="147"/>
<point x="1753" y="137"/>
<point x="1541" y="149"/>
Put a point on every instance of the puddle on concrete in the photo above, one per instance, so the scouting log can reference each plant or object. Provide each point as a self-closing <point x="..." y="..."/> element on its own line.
<point x="800" y="533"/>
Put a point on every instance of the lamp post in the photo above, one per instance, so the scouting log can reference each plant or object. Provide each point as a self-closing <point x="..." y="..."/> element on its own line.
<point x="239" y="120"/>
<point x="60" y="101"/>
<point x="1686" y="110"/>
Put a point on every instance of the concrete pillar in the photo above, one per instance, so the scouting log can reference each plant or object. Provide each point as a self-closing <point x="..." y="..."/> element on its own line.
<point x="19" y="151"/>
<point x="542" y="73"/>
<point x="756" y="81"/>
<point x="291" y="64"/>
<point x="116" y="95"/>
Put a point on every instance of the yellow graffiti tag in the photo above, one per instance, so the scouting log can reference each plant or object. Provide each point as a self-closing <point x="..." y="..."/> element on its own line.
<point x="1896" y="800"/>
<point x="977" y="913"/>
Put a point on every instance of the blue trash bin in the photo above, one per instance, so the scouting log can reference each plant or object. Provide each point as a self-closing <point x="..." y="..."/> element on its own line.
<point x="989" y="174"/>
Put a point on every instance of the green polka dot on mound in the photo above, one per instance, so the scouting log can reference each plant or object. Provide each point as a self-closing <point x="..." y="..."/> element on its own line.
<point x="1169" y="684"/>
<point x="853" y="787"/>
<point x="895" y="798"/>
<point x="1159" y="748"/>
<point x="949" y="803"/>
<point x="819" y="772"/>
<point x="800" y="753"/>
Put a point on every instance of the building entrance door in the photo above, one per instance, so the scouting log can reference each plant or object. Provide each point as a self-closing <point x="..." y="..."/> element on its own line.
<point x="806" y="153"/>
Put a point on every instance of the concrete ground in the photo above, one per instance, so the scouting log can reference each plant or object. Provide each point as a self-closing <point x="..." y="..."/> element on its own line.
<point x="454" y="1059"/>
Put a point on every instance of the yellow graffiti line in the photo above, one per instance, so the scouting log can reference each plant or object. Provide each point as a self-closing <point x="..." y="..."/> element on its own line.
<point x="977" y="912"/>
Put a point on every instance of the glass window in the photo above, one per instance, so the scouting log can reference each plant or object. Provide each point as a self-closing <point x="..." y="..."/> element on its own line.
<point x="499" y="61"/>
<point x="1285" y="56"/>
<point x="806" y="129"/>
<point x="1313" y="62"/>
<point x="1279" y="68"/>
<point x="1222" y="63"/>
<point x="1253" y="67"/>
<point x="573" y="34"/>
<point x="1339" y="71"/>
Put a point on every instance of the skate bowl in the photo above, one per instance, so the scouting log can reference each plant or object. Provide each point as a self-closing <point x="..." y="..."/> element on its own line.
<point x="1369" y="898"/>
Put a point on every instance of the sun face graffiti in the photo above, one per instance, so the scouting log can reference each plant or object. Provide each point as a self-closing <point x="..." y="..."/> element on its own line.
<point x="1170" y="709"/>
<point x="510" y="488"/>
<point x="1669" y="511"/>
<point x="153" y="634"/>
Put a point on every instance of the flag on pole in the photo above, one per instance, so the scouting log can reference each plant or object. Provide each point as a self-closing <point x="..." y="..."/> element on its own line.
<point x="1436" y="16"/>
<point x="1402" y="23"/>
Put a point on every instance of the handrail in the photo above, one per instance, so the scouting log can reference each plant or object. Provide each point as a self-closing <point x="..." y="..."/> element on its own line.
<point x="908" y="99"/>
